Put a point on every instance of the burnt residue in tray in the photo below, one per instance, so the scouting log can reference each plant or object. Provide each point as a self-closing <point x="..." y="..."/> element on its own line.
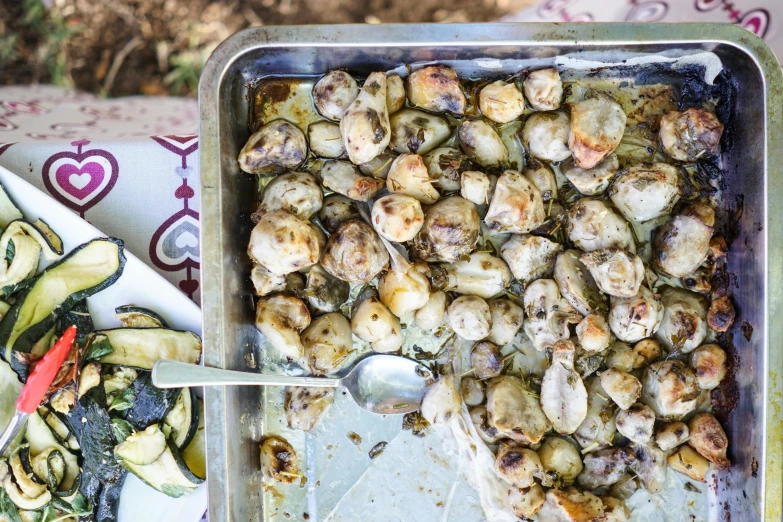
<point x="725" y="397"/>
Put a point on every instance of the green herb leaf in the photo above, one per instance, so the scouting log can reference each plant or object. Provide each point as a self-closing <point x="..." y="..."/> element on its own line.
<point x="10" y="290"/>
<point x="124" y="400"/>
<point x="98" y="347"/>
<point x="7" y="508"/>
<point x="121" y="429"/>
<point x="174" y="490"/>
<point x="10" y="253"/>
<point x="80" y="504"/>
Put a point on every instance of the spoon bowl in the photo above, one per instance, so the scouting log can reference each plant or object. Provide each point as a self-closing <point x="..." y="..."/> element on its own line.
<point x="383" y="384"/>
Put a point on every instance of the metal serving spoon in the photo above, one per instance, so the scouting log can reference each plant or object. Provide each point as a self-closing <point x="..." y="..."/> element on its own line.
<point x="386" y="384"/>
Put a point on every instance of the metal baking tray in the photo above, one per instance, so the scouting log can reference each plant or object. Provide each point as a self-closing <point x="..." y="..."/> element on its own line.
<point x="753" y="166"/>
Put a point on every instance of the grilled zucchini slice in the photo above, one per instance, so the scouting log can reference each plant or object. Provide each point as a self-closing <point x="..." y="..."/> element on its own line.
<point x="21" y="500"/>
<point x="132" y="316"/>
<point x="142" y="347"/>
<point x="195" y="454"/>
<point x="143" y="447"/>
<point x="149" y="404"/>
<point x="183" y="418"/>
<point x="88" y="269"/>
<point x="168" y="473"/>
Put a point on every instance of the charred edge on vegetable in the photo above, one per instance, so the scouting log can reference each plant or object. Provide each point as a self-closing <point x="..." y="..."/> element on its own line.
<point x="35" y="332"/>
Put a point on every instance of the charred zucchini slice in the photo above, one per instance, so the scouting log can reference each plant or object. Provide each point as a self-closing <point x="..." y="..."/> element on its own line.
<point x="143" y="447"/>
<point x="142" y="347"/>
<point x="168" y="474"/>
<point x="42" y="441"/>
<point x="21" y="500"/>
<point x="132" y="316"/>
<point x="148" y="404"/>
<point x="109" y="500"/>
<point x="183" y="418"/>
<point x="79" y="316"/>
<point x="50" y="467"/>
<point x="24" y="479"/>
<point x="61" y="431"/>
<point x="97" y="443"/>
<point x="195" y="454"/>
<point x="88" y="269"/>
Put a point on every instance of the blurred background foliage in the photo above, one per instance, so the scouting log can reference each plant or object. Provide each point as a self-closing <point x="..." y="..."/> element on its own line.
<point x="158" y="47"/>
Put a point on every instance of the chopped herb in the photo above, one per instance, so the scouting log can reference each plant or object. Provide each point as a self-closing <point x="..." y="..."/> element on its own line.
<point x="415" y="423"/>
<point x="10" y="252"/>
<point x="355" y="438"/>
<point x="7" y="508"/>
<point x="121" y="429"/>
<point x="98" y="347"/>
<point x="124" y="400"/>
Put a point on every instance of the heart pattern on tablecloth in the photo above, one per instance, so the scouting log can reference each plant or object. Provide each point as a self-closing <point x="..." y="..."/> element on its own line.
<point x="79" y="179"/>
<point x="175" y="245"/>
<point x="181" y="145"/>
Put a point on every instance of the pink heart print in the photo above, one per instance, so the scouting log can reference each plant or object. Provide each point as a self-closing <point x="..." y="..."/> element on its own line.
<point x="80" y="180"/>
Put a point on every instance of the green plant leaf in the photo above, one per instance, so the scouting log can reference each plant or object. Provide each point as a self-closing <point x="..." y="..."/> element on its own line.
<point x="98" y="347"/>
<point x="174" y="490"/>
<point x="7" y="508"/>
<point x="124" y="400"/>
<point x="121" y="428"/>
<point x="10" y="252"/>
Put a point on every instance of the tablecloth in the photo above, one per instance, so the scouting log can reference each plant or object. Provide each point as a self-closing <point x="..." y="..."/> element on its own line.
<point x="130" y="166"/>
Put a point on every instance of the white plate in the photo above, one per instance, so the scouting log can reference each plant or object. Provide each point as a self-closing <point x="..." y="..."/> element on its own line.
<point x="139" y="285"/>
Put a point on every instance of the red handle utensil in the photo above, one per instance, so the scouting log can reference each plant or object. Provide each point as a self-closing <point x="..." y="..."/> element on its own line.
<point x="43" y="374"/>
<point x="37" y="384"/>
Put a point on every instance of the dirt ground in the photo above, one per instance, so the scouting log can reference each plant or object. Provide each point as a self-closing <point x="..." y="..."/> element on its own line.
<point x="155" y="47"/>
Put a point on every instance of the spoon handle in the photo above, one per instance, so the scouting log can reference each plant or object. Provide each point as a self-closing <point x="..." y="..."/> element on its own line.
<point x="174" y="374"/>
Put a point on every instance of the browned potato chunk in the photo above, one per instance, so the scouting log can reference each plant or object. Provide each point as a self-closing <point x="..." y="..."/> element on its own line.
<point x="274" y="148"/>
<point x="304" y="407"/>
<point x="672" y="435"/>
<point x="333" y="93"/>
<point x="501" y="102"/>
<point x="709" y="363"/>
<point x="597" y="126"/>
<point x="518" y="466"/>
<point x="354" y="253"/>
<point x="395" y="93"/>
<point x="436" y="88"/>
<point x="526" y="502"/>
<point x="450" y="231"/>
<point x="397" y="217"/>
<point x="691" y="134"/>
<point x="282" y="243"/>
<point x="708" y="438"/>
<point x="623" y="388"/>
<point x="281" y="319"/>
<point x="571" y="505"/>
<point x="486" y="360"/>
<point x="544" y="89"/>
<point x="279" y="461"/>
<point x="689" y="463"/>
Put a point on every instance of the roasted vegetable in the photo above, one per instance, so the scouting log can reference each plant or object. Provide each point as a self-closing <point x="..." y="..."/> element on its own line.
<point x="88" y="269"/>
<point x="365" y="123"/>
<point x="334" y="93"/>
<point x="274" y="148"/>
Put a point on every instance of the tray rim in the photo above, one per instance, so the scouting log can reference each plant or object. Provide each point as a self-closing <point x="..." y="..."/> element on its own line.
<point x="495" y="34"/>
